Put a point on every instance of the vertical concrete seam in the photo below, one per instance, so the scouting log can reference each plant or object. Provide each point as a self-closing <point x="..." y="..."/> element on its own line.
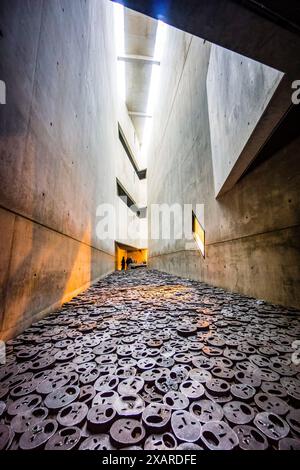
<point x="34" y="77"/>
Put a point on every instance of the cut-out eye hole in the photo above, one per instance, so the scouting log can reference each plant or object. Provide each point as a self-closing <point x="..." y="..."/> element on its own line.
<point x="154" y="419"/>
<point x="136" y="432"/>
<point x="66" y="411"/>
<point x="257" y="436"/>
<point x="168" y="441"/>
<point x="39" y="412"/>
<point x="49" y="428"/>
<point x="67" y="432"/>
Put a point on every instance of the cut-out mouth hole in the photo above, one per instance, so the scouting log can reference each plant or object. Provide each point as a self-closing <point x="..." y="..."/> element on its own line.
<point x="33" y="402"/>
<point x="38" y="413"/>
<point x="245" y="410"/>
<point x="67" y="432"/>
<point x="294" y="423"/>
<point x="66" y="411"/>
<point x="154" y="419"/>
<point x="168" y="442"/>
<point x="274" y="392"/>
<point x="49" y="428"/>
<point x="263" y="398"/>
<point x="136" y="433"/>
<point x="197" y="410"/>
<point x="257" y="436"/>
<point x="211" y="438"/>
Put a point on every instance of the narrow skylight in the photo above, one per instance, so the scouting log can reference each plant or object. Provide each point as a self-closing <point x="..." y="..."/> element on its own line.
<point x="154" y="87"/>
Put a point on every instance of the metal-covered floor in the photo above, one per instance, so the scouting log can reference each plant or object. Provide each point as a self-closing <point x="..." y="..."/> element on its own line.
<point x="148" y="360"/>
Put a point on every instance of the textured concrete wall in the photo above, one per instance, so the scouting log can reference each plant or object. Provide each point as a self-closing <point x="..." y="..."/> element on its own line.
<point x="58" y="133"/>
<point x="252" y="232"/>
<point x="239" y="90"/>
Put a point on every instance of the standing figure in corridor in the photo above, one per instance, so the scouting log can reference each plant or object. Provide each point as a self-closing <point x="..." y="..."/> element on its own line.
<point x="123" y="263"/>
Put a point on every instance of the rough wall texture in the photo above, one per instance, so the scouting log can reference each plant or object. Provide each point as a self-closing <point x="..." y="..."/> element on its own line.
<point x="239" y="90"/>
<point x="252" y="232"/>
<point x="58" y="132"/>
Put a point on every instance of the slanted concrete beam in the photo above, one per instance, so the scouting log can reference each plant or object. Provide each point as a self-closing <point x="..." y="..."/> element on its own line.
<point x="140" y="114"/>
<point x="232" y="24"/>
<point x="142" y="59"/>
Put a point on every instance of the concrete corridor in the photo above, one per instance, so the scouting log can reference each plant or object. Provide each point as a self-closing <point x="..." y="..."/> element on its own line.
<point x="162" y="137"/>
<point x="146" y="360"/>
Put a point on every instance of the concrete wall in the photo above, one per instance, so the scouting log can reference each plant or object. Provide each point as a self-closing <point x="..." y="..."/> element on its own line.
<point x="239" y="91"/>
<point x="252" y="232"/>
<point x="58" y="133"/>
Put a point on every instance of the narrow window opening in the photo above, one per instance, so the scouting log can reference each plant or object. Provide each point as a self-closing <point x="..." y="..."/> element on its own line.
<point x="142" y="174"/>
<point x="199" y="234"/>
<point x="129" y="201"/>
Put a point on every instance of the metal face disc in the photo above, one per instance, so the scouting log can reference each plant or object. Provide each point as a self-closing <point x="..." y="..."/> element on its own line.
<point x="242" y="391"/>
<point x="238" y="412"/>
<point x="206" y="411"/>
<point x="65" y="439"/>
<point x="273" y="426"/>
<point x="217" y="435"/>
<point x="127" y="432"/>
<point x="38" y="434"/>
<point x="176" y="400"/>
<point x="271" y="404"/>
<point x="23" y="421"/>
<point x="129" y="406"/>
<point x="185" y="426"/>
<point x="97" y="442"/>
<point x="72" y="415"/>
<point x="100" y="418"/>
<point x="156" y="417"/>
<point x="161" y="442"/>
<point x="62" y="397"/>
<point x="131" y="386"/>
<point x="250" y="438"/>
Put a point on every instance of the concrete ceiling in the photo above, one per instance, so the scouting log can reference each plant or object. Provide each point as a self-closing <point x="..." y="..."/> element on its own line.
<point x="140" y="35"/>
